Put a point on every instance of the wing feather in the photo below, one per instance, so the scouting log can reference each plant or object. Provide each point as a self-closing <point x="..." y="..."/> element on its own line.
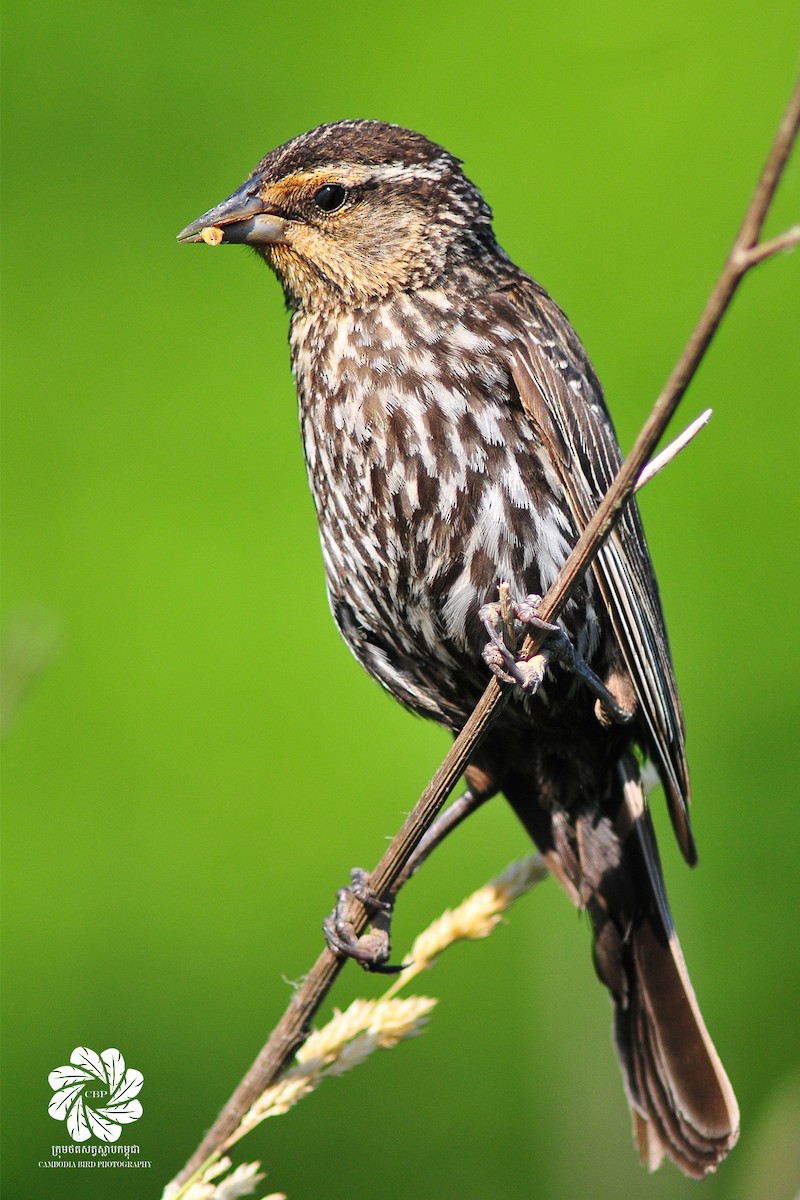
<point x="560" y="392"/>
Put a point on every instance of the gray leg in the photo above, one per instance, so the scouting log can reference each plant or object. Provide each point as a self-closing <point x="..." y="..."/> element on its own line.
<point x="371" y="950"/>
<point x="458" y="810"/>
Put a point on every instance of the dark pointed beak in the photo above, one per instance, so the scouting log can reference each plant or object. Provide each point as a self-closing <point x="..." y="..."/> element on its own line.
<point x="244" y="218"/>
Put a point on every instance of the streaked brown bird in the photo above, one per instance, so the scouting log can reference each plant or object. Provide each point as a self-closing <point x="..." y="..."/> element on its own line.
<point x="456" y="437"/>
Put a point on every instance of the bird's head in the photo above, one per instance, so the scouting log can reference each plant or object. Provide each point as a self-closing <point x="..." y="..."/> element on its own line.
<point x="353" y="211"/>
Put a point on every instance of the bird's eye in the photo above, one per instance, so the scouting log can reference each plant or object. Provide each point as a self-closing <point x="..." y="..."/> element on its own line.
<point x="330" y="197"/>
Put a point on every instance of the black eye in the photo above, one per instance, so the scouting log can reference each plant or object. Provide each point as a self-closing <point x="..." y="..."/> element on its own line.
<point x="330" y="197"/>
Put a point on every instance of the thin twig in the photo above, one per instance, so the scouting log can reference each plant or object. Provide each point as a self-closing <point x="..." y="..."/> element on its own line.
<point x="665" y="456"/>
<point x="764" y="250"/>
<point x="745" y="253"/>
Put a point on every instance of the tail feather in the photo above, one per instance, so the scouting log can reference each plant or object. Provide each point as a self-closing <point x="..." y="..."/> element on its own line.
<point x="675" y="1078"/>
<point x="679" y="1081"/>
<point x="682" y="1104"/>
<point x="676" y="1081"/>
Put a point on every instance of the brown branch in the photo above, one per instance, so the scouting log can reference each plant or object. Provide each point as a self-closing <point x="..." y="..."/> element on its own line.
<point x="293" y="1027"/>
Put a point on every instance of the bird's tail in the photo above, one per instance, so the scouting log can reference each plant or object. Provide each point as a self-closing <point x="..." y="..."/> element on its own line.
<point x="681" y="1100"/>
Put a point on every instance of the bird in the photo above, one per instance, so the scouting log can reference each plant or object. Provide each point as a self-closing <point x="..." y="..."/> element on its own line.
<point x="457" y="441"/>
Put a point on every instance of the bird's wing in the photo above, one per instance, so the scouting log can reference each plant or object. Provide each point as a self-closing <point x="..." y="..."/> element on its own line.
<point x="560" y="393"/>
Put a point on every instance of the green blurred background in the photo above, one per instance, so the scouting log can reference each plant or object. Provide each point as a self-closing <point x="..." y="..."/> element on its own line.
<point x="199" y="764"/>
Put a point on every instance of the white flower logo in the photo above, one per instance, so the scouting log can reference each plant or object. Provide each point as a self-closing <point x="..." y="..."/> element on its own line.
<point x="95" y="1094"/>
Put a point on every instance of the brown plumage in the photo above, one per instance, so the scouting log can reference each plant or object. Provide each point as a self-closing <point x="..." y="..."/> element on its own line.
<point x="456" y="436"/>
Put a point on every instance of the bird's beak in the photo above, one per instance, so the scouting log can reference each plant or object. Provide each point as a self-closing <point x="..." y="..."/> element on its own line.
<point x="244" y="218"/>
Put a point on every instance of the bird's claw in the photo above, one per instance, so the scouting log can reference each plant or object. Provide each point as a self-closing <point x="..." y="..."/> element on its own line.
<point x="507" y="621"/>
<point x="371" y="950"/>
<point x="517" y="672"/>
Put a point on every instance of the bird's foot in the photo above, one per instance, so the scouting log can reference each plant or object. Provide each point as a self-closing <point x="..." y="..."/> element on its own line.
<point x="370" y="950"/>
<point x="507" y="621"/>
